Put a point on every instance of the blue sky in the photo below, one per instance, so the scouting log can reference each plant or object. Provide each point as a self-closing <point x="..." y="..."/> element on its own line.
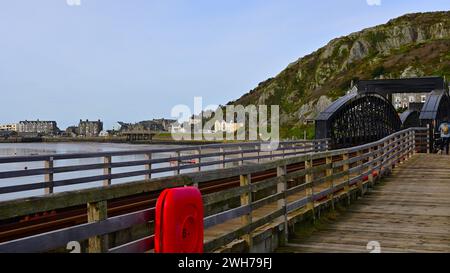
<point x="134" y="60"/>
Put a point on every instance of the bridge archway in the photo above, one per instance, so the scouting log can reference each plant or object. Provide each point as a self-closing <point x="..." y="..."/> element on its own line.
<point x="434" y="112"/>
<point x="436" y="108"/>
<point x="357" y="119"/>
<point x="410" y="118"/>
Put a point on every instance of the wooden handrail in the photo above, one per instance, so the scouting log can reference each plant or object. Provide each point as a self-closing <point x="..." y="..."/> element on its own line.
<point x="351" y="169"/>
<point x="159" y="163"/>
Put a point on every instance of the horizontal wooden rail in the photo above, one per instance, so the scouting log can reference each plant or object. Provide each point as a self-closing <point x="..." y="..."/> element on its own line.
<point x="156" y="162"/>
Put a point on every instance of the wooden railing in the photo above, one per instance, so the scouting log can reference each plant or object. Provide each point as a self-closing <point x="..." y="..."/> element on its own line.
<point x="297" y="186"/>
<point x="53" y="171"/>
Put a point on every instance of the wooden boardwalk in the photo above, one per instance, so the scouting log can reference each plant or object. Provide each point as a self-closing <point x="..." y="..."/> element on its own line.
<point x="408" y="211"/>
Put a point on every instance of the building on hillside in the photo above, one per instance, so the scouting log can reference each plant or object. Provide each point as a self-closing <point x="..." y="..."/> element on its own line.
<point x="228" y="127"/>
<point x="71" y="131"/>
<point x="155" y="125"/>
<point x="179" y="127"/>
<point x="38" y="127"/>
<point x="403" y="100"/>
<point x="149" y="125"/>
<point x="90" y="128"/>
<point x="165" y="123"/>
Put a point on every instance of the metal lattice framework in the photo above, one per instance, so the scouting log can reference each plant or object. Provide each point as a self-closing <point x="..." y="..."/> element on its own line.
<point x="357" y="119"/>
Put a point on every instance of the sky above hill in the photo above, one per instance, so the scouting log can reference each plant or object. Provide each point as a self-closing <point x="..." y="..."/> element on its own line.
<point x="134" y="60"/>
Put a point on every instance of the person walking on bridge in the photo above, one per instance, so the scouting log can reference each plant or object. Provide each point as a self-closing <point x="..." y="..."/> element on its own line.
<point x="445" y="135"/>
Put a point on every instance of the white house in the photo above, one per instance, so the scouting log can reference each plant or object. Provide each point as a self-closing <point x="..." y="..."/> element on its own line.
<point x="103" y="134"/>
<point x="179" y="128"/>
<point x="228" y="127"/>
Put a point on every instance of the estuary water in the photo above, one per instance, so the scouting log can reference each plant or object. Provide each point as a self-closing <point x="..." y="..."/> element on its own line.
<point x="28" y="149"/>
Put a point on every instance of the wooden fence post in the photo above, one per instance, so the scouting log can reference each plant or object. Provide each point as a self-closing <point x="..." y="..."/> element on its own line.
<point x="97" y="212"/>
<point x="282" y="203"/>
<point x="402" y="149"/>
<point x="199" y="153"/>
<point x="107" y="170"/>
<point x="359" y="164"/>
<point x="371" y="167"/>
<point x="177" y="171"/>
<point x="328" y="173"/>
<point x="394" y="147"/>
<point x="246" y="200"/>
<point x="405" y="153"/>
<point x="380" y="155"/>
<point x="346" y="168"/>
<point x="241" y="156"/>
<point x="399" y="150"/>
<point x="222" y="151"/>
<point x="258" y="148"/>
<point x="49" y="175"/>
<point x="148" y="166"/>
<point x="388" y="155"/>
<point x="309" y="177"/>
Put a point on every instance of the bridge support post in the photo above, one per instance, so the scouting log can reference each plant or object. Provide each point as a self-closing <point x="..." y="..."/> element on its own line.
<point x="49" y="176"/>
<point x="282" y="203"/>
<point x="97" y="212"/>
<point x="246" y="200"/>
<point x="309" y="177"/>
<point x="107" y="169"/>
<point x="329" y="173"/>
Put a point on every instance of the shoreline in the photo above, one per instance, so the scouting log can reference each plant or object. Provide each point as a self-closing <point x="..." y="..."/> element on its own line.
<point x="106" y="140"/>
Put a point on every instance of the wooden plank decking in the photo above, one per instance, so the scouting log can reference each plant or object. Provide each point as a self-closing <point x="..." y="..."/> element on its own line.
<point x="408" y="212"/>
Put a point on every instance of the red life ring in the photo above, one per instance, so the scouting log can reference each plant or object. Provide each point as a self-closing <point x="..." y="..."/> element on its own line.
<point x="179" y="221"/>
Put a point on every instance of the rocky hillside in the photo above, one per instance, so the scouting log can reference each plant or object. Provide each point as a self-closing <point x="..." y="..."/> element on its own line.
<point x="412" y="45"/>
